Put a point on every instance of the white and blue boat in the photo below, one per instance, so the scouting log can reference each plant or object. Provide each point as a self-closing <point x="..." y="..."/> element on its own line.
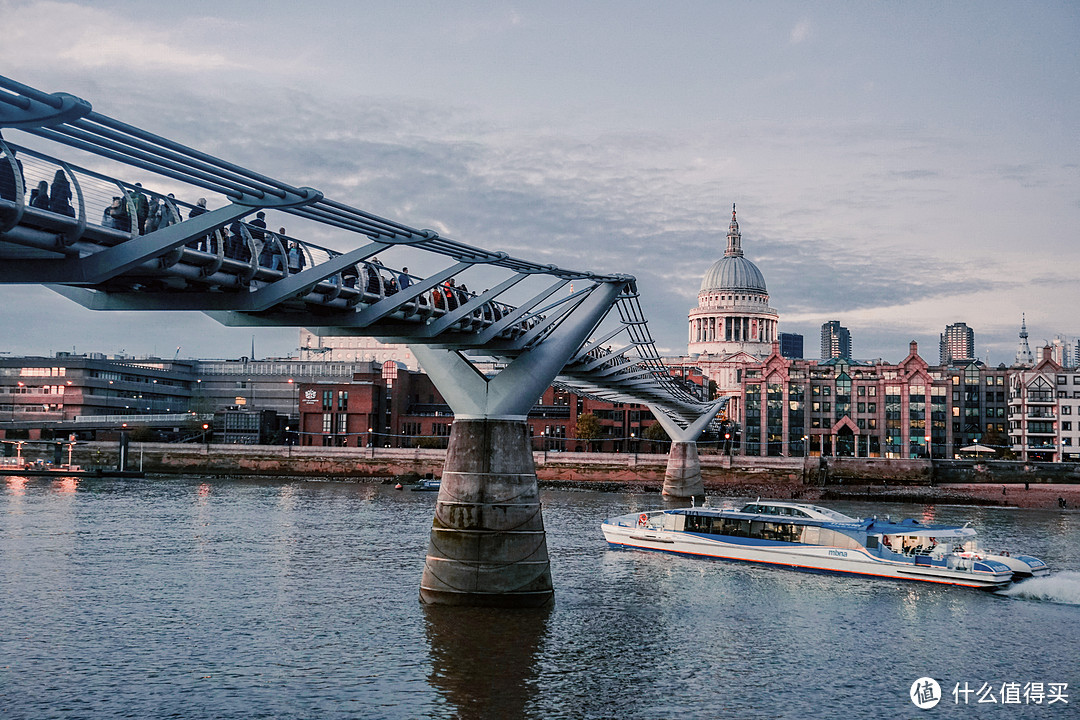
<point x="427" y="485"/>
<point x="816" y="539"/>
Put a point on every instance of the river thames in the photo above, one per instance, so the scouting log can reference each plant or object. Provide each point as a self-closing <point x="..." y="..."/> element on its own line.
<point x="196" y="598"/>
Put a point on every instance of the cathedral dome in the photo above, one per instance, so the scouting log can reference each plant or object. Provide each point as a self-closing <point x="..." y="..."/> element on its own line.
<point x="733" y="317"/>
<point x="733" y="273"/>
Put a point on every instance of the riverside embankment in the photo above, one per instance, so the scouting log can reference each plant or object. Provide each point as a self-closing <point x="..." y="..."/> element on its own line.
<point x="979" y="482"/>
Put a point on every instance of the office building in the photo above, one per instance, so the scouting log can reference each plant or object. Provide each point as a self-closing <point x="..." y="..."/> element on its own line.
<point x="791" y="345"/>
<point x="957" y="344"/>
<point x="835" y="341"/>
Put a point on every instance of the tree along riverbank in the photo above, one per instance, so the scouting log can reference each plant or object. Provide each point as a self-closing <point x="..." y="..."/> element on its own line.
<point x="810" y="479"/>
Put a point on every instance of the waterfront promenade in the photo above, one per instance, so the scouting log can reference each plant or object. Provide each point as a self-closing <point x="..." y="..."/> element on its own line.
<point x="812" y="478"/>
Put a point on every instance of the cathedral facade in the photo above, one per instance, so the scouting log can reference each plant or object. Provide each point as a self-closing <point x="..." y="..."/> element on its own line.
<point x="733" y="313"/>
<point x="733" y="325"/>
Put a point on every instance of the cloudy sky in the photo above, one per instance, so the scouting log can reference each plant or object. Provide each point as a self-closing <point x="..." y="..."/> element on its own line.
<point x="896" y="166"/>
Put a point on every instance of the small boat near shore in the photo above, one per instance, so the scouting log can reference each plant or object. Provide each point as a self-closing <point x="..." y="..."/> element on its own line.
<point x="816" y="539"/>
<point x="427" y="485"/>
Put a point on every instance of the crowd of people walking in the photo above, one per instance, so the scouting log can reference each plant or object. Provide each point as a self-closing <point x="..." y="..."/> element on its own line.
<point x="136" y="213"/>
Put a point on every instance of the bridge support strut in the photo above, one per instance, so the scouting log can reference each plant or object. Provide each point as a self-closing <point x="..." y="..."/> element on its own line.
<point x="488" y="546"/>
<point x="682" y="478"/>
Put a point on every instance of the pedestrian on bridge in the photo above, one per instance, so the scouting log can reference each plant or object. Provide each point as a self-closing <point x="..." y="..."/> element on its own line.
<point x="60" y="200"/>
<point x="7" y="176"/>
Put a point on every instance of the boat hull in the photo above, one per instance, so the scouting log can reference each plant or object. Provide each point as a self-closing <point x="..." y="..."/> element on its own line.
<point x="806" y="558"/>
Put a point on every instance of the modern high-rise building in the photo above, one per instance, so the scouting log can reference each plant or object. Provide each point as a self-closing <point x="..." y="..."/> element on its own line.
<point x="835" y="341"/>
<point x="957" y="343"/>
<point x="791" y="345"/>
<point x="1061" y="349"/>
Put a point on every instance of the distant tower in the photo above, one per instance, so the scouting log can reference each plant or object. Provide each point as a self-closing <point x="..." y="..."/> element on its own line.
<point x="835" y="341"/>
<point x="1023" y="352"/>
<point x="957" y="343"/>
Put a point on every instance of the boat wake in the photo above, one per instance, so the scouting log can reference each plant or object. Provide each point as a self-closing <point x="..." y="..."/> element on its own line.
<point x="1062" y="587"/>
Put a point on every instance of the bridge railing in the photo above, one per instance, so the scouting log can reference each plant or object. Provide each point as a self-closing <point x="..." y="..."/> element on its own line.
<point x="226" y="269"/>
<point x="239" y="248"/>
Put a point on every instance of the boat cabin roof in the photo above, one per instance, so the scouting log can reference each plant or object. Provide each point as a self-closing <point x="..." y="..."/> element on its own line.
<point x="807" y="514"/>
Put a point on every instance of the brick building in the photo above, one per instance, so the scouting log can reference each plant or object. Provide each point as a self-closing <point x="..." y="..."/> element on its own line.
<point x="397" y="407"/>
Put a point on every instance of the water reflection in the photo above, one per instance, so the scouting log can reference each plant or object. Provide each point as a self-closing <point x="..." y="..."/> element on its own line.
<point x="16" y="485"/>
<point x="66" y="485"/>
<point x="483" y="660"/>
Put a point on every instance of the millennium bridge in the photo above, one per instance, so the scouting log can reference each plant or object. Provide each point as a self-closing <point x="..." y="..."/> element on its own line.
<point x="114" y="217"/>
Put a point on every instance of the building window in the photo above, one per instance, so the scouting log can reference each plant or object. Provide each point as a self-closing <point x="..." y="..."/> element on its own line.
<point x="328" y="400"/>
<point x="327" y="423"/>
<point x="1066" y="409"/>
<point x="342" y="399"/>
<point x="1066" y="425"/>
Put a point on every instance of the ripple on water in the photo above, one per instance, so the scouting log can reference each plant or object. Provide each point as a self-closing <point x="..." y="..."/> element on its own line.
<point x="238" y="599"/>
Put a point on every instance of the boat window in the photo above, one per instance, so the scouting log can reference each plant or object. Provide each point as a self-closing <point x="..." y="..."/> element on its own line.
<point x="871" y="542"/>
<point x="782" y="532"/>
<point x="698" y="523"/>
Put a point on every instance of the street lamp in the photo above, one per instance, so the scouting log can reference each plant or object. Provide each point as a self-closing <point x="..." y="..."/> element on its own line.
<point x="370" y="440"/>
<point x="806" y="446"/>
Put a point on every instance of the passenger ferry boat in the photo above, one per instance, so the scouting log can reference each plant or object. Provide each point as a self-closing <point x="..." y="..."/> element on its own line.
<point x="816" y="539"/>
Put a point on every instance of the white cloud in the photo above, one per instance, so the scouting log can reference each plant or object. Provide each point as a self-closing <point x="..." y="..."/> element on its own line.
<point x="81" y="37"/>
<point x="801" y="32"/>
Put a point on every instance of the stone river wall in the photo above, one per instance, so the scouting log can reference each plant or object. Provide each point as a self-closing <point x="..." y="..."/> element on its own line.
<point x="569" y="468"/>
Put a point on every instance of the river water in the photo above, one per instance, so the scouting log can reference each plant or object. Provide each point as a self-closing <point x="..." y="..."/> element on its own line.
<point x="189" y="598"/>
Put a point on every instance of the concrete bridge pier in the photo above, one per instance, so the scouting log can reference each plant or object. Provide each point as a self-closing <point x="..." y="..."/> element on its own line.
<point x="488" y="546"/>
<point x="682" y="479"/>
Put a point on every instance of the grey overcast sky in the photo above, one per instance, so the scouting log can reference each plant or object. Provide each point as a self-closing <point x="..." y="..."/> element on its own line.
<point x="897" y="166"/>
